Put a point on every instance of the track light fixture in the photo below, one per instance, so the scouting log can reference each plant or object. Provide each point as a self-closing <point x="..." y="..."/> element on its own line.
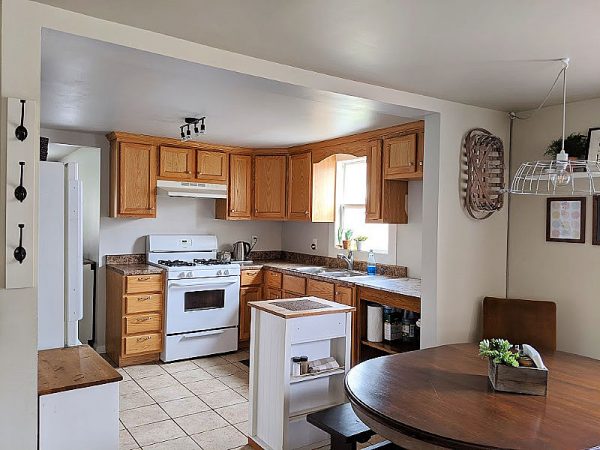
<point x="186" y="132"/>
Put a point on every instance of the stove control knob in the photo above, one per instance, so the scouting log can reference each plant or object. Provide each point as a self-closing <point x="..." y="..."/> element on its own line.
<point x="219" y="273"/>
<point x="226" y="272"/>
<point x="190" y="275"/>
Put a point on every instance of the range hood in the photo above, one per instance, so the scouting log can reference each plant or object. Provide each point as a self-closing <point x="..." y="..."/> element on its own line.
<point x="191" y="189"/>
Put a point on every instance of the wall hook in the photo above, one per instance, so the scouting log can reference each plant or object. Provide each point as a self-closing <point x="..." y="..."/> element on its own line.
<point x="20" y="252"/>
<point x="20" y="191"/>
<point x="21" y="131"/>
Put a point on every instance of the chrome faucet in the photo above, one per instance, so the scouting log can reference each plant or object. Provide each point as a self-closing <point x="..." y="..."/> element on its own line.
<point x="349" y="259"/>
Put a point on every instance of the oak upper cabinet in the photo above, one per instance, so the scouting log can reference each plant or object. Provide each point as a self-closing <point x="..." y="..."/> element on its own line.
<point x="177" y="163"/>
<point x="238" y="205"/>
<point x="269" y="187"/>
<point x="211" y="166"/>
<point x="386" y="198"/>
<point x="400" y="157"/>
<point x="133" y="179"/>
<point x="299" y="187"/>
<point x="374" y="181"/>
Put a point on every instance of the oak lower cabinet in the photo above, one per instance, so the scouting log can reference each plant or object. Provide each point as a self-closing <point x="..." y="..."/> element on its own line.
<point x="299" y="201"/>
<point x="238" y="205"/>
<point x="270" y="187"/>
<point x="251" y="290"/>
<point x="134" y="317"/>
<point x="132" y="179"/>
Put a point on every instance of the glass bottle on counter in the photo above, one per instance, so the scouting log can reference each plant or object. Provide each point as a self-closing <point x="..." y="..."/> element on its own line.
<point x="392" y="324"/>
<point x="409" y="324"/>
<point x="371" y="264"/>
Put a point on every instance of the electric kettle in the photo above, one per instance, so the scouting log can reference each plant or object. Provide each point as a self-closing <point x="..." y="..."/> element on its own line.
<point x="241" y="249"/>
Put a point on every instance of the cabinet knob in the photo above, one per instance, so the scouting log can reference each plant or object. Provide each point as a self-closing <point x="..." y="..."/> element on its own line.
<point x="143" y="278"/>
<point x="306" y="213"/>
<point x="232" y="210"/>
<point x="411" y="163"/>
<point x="142" y="319"/>
<point x="141" y="299"/>
<point x="143" y="338"/>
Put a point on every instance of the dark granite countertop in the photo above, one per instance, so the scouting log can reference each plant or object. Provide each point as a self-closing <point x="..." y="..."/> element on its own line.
<point x="134" y="269"/>
<point x="403" y="286"/>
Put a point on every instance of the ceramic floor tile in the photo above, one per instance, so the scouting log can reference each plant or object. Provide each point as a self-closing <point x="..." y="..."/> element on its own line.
<point x="178" y="366"/>
<point x="236" y="379"/>
<point x="129" y="387"/>
<point x="141" y="416"/>
<point x="157" y="382"/>
<point x="190" y="376"/>
<point x="124" y="374"/>
<point x="222" y="370"/>
<point x="206" y="386"/>
<point x="144" y="371"/>
<point x="202" y="421"/>
<point x="241" y="366"/>
<point x="244" y="391"/>
<point x="156" y="432"/>
<point x="184" y="406"/>
<point x="237" y="356"/>
<point x="126" y="441"/>
<point x="121" y="426"/>
<point x="182" y="443"/>
<point x="135" y="400"/>
<point x="221" y="439"/>
<point x="244" y="428"/>
<point x="170" y="393"/>
<point x="235" y="413"/>
<point x="244" y="447"/>
<point x="221" y="398"/>
<point x="209" y="361"/>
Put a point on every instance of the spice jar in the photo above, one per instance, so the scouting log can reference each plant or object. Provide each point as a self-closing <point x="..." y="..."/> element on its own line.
<point x="303" y="365"/>
<point x="296" y="366"/>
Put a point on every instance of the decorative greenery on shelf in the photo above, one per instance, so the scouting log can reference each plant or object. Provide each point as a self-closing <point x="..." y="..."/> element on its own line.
<point x="361" y="238"/>
<point x="576" y="145"/>
<point x="499" y="351"/>
<point x="348" y="234"/>
<point x="340" y="235"/>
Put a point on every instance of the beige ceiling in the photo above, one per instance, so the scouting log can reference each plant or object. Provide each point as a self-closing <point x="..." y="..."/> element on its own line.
<point x="483" y="52"/>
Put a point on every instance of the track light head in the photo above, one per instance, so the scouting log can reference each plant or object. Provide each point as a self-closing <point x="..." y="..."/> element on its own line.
<point x="186" y="128"/>
<point x="182" y="133"/>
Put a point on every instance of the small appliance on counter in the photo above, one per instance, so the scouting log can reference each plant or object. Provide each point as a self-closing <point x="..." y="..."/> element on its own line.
<point x="241" y="250"/>
<point x="202" y="296"/>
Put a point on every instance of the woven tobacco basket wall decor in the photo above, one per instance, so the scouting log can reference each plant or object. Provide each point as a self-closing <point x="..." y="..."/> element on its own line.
<point x="484" y="154"/>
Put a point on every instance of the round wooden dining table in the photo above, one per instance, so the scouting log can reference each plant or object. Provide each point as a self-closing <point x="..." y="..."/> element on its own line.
<point x="441" y="398"/>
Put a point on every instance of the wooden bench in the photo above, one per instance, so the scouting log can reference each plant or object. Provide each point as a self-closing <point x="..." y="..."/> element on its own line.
<point x="345" y="428"/>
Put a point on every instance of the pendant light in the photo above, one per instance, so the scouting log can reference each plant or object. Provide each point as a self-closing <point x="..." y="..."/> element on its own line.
<point x="560" y="176"/>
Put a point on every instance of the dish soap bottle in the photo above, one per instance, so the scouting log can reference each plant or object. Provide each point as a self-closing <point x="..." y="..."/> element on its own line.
<point x="371" y="265"/>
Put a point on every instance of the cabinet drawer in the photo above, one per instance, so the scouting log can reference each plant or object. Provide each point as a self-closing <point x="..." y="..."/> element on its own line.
<point x="142" y="323"/>
<point x="294" y="284"/>
<point x="146" y="343"/>
<point x="344" y="295"/>
<point x="272" y="294"/>
<point x="142" y="303"/>
<point x="251" y="277"/>
<point x="143" y="283"/>
<point x="273" y="279"/>
<point x="321" y="289"/>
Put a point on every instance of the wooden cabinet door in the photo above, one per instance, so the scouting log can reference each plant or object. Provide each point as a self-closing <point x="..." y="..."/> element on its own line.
<point x="136" y="180"/>
<point x="399" y="156"/>
<point x="247" y="294"/>
<point x="177" y="163"/>
<point x="374" y="181"/>
<point x="272" y="294"/>
<point x="211" y="167"/>
<point x="299" y="187"/>
<point x="269" y="187"/>
<point x="240" y="187"/>
<point x="321" y="289"/>
<point x="344" y="295"/>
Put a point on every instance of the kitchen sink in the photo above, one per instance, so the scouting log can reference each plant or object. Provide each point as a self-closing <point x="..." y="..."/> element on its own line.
<point x="343" y="274"/>
<point x="311" y="269"/>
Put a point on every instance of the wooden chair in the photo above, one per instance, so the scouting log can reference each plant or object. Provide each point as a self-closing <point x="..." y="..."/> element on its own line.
<point x="520" y="321"/>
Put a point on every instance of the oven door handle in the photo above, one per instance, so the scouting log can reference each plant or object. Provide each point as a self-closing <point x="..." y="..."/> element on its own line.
<point x="203" y="284"/>
<point x="201" y="334"/>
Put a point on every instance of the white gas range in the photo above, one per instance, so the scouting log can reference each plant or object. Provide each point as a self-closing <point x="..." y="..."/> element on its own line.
<point x="202" y="296"/>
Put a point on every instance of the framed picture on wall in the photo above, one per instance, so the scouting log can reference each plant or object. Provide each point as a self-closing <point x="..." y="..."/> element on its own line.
<point x="593" y="153"/>
<point x="565" y="219"/>
<point x="596" y="221"/>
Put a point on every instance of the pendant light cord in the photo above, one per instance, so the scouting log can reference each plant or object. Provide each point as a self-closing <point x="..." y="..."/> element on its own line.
<point x="564" y="115"/>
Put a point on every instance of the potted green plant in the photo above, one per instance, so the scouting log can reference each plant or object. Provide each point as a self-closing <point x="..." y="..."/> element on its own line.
<point x="576" y="145"/>
<point x="340" y="235"/>
<point x="360" y="242"/>
<point x="347" y="239"/>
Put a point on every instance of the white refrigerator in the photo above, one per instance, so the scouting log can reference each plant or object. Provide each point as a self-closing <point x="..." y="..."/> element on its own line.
<point x="60" y="255"/>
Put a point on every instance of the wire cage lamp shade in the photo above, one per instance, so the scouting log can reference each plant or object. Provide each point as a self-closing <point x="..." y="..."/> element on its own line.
<point x="557" y="177"/>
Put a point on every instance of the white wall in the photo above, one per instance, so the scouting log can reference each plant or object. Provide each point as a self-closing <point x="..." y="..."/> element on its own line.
<point x="406" y="242"/>
<point x="561" y="272"/>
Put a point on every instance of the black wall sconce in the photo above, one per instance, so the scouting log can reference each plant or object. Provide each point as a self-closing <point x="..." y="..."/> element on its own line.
<point x="20" y="252"/>
<point x="21" y="131"/>
<point x="20" y="191"/>
<point x="186" y="133"/>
